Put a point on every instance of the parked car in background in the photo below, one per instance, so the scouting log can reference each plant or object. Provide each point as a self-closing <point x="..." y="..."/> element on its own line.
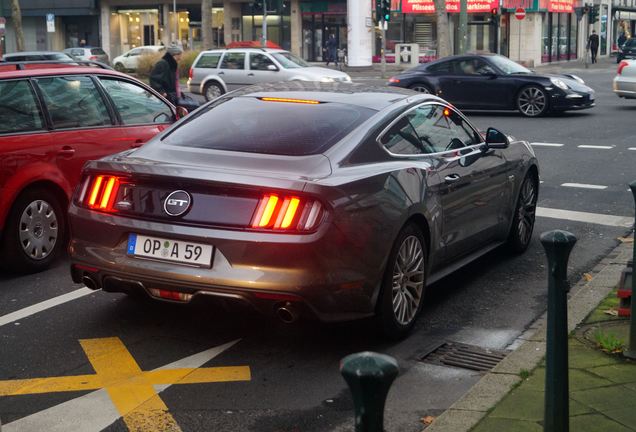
<point x="54" y="119"/>
<point x="36" y="56"/>
<point x="335" y="201"/>
<point x="216" y="72"/>
<point x="494" y="82"/>
<point x="129" y="60"/>
<point x="624" y="83"/>
<point x="627" y="50"/>
<point x="88" y="54"/>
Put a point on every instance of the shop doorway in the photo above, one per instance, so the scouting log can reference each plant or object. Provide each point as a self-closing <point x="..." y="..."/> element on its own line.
<point x="149" y="34"/>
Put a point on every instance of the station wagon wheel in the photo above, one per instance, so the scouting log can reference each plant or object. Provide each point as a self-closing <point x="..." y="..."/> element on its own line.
<point x="35" y="232"/>
<point x="524" y="215"/>
<point x="212" y="91"/>
<point x="422" y="88"/>
<point x="404" y="283"/>
<point x="532" y="101"/>
<point x="119" y="67"/>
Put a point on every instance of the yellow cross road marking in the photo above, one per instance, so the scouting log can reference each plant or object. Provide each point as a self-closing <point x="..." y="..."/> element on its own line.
<point x="130" y="388"/>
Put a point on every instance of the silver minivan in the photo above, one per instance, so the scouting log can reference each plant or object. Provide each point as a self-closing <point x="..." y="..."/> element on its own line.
<point x="215" y="72"/>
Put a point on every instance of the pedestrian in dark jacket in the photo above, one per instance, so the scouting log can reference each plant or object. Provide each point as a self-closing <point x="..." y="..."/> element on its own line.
<point x="593" y="45"/>
<point x="164" y="76"/>
<point x="332" y="47"/>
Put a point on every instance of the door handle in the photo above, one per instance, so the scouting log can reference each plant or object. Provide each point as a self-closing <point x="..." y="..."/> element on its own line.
<point x="66" y="151"/>
<point x="250" y="74"/>
<point x="221" y="73"/>
<point x="452" y="178"/>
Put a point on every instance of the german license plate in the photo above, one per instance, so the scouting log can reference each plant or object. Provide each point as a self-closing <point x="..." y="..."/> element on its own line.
<point x="179" y="251"/>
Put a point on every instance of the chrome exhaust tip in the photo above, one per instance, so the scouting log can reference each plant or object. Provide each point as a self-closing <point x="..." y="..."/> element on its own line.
<point x="89" y="282"/>
<point x="287" y="313"/>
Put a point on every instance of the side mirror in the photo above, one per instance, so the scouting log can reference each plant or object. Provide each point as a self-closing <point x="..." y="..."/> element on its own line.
<point x="181" y="112"/>
<point x="272" y="68"/>
<point x="496" y="139"/>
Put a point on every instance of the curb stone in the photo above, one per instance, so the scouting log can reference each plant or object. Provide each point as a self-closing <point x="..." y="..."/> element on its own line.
<point x="464" y="414"/>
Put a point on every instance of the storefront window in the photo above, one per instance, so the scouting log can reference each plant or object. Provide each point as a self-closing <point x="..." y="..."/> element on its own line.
<point x="564" y="20"/>
<point x="136" y="28"/>
<point x="545" y="36"/>
<point x="603" y="34"/>
<point x="573" y="26"/>
<point x="554" y="36"/>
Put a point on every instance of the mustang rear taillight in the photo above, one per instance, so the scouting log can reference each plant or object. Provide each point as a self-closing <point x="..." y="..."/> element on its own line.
<point x="621" y="66"/>
<point x="287" y="213"/>
<point x="99" y="192"/>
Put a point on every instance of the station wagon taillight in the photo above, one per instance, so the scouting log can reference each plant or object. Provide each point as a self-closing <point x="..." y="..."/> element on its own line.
<point x="99" y="192"/>
<point x="621" y="66"/>
<point x="287" y="213"/>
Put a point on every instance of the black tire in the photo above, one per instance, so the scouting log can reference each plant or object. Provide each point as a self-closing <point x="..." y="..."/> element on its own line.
<point x="212" y="90"/>
<point x="533" y="101"/>
<point x="421" y="88"/>
<point x="29" y="247"/>
<point x="120" y="67"/>
<point x="391" y="325"/>
<point x="524" y="215"/>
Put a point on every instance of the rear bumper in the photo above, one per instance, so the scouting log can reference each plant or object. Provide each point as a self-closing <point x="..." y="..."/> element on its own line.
<point x="262" y="270"/>
<point x="624" y="87"/>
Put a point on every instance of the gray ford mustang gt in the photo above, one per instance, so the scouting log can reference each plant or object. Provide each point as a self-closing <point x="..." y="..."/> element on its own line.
<point x="339" y="201"/>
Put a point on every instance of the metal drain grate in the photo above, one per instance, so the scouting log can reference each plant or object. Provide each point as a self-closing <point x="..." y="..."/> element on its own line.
<point x="464" y="356"/>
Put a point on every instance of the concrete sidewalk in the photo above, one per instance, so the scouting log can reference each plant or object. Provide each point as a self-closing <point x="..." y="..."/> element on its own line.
<point x="602" y="387"/>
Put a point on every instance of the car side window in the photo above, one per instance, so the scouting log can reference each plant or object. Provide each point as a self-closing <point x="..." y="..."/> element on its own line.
<point x="483" y="68"/>
<point x="77" y="52"/>
<point x="463" y="131"/>
<point x="402" y="139"/>
<point x="135" y="104"/>
<point x="134" y="52"/>
<point x="233" y="60"/>
<point x="18" y="109"/>
<point x="260" y="62"/>
<point x="441" y="68"/>
<point x="208" y="61"/>
<point x="435" y="128"/>
<point x="73" y="101"/>
<point x="467" y="66"/>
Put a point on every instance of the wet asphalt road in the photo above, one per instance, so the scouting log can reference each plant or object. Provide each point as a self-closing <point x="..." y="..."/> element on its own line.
<point x="295" y="384"/>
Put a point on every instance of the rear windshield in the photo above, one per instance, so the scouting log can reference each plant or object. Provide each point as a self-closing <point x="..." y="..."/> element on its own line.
<point x="630" y="43"/>
<point x="248" y="124"/>
<point x="97" y="51"/>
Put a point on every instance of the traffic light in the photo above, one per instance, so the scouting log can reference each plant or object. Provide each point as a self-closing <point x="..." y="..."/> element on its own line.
<point x="593" y="14"/>
<point x="383" y="10"/>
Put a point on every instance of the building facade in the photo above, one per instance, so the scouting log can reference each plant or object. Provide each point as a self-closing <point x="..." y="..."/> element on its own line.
<point x="550" y="32"/>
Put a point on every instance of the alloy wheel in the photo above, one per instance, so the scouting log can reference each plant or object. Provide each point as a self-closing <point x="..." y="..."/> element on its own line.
<point x="532" y="101"/>
<point x="212" y="91"/>
<point x="38" y="229"/>
<point x="408" y="280"/>
<point x="421" y="89"/>
<point x="526" y="211"/>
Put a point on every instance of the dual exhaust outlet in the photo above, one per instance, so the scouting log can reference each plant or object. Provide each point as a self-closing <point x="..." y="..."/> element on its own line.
<point x="286" y="312"/>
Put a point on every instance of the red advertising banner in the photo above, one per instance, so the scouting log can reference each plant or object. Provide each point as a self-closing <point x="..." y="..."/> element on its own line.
<point x="452" y="6"/>
<point x="560" y="6"/>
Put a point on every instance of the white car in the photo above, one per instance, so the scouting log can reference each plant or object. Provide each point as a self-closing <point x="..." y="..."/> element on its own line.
<point x="129" y="60"/>
<point x="624" y="84"/>
<point x="218" y="71"/>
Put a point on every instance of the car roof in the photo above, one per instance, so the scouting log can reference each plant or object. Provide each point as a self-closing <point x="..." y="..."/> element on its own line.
<point x="21" y="53"/>
<point x="61" y="69"/>
<point x="269" y="50"/>
<point x="362" y="95"/>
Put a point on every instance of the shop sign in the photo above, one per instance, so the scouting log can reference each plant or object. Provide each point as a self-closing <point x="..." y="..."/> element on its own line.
<point x="566" y="6"/>
<point x="452" y="6"/>
<point x="528" y="5"/>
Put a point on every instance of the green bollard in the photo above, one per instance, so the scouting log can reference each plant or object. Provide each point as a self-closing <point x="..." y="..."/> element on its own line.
<point x="369" y="376"/>
<point x="630" y="351"/>
<point x="557" y="245"/>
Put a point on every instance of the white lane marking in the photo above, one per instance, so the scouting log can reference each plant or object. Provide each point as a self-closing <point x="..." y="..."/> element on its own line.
<point x="598" y="147"/>
<point x="95" y="411"/>
<point x="47" y="304"/>
<point x="632" y="148"/>
<point x="542" y="144"/>
<point x="594" y="218"/>
<point x="583" y="186"/>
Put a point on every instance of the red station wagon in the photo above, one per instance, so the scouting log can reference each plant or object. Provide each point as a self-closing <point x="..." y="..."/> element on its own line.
<point x="54" y="118"/>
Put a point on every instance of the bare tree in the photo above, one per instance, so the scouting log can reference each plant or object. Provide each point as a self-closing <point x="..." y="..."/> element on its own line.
<point x="206" y="24"/>
<point x="16" y="17"/>
<point x="443" y="34"/>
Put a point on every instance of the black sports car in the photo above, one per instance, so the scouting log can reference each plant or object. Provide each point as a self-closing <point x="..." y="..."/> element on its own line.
<point x="494" y="82"/>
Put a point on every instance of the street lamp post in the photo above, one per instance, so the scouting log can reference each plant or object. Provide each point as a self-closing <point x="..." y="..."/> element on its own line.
<point x="264" y="31"/>
<point x="176" y="22"/>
